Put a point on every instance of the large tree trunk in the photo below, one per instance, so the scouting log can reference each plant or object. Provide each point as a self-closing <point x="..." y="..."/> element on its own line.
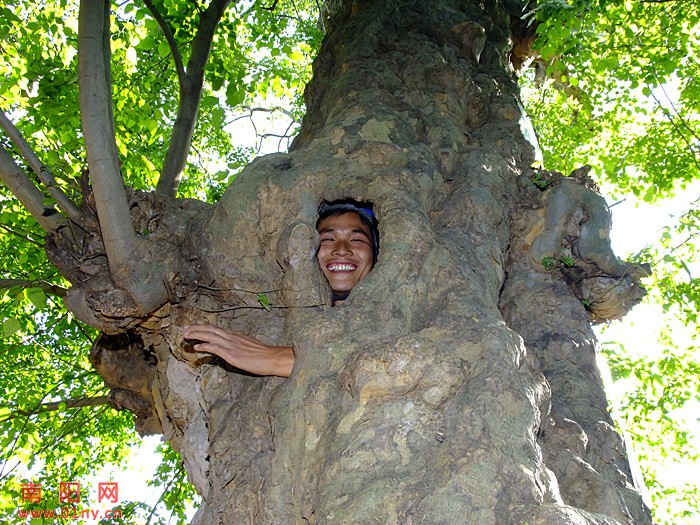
<point x="458" y="382"/>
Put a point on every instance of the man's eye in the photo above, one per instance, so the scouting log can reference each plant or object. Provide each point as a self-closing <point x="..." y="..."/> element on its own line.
<point x="326" y="239"/>
<point x="360" y="239"/>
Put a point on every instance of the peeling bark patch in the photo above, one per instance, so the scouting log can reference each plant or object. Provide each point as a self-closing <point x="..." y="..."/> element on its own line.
<point x="129" y="369"/>
<point x="374" y="130"/>
<point x="336" y="136"/>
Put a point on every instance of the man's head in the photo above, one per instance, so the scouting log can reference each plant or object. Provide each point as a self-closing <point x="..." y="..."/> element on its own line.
<point x="349" y="243"/>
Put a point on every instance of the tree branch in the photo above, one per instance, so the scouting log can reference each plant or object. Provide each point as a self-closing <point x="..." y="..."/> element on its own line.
<point x="100" y="143"/>
<point x="166" y="489"/>
<point x="55" y="406"/>
<point x="28" y="194"/>
<point x="45" y="176"/>
<point x="271" y="7"/>
<point x="47" y="287"/>
<point x="107" y="61"/>
<point x="172" y="44"/>
<point x="128" y="268"/>
<point x="272" y="110"/>
<point x="669" y="116"/>
<point x="190" y="93"/>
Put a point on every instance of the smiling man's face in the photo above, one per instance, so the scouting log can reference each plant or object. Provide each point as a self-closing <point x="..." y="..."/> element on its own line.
<point x="345" y="254"/>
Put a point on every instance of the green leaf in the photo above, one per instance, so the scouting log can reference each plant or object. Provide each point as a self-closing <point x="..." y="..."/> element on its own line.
<point x="548" y="263"/>
<point x="567" y="261"/>
<point x="10" y="326"/>
<point x="234" y="95"/>
<point x="163" y="49"/>
<point x="264" y="301"/>
<point x="37" y="297"/>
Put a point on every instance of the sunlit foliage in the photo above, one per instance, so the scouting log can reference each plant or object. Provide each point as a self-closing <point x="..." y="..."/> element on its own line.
<point x="261" y="53"/>
<point x="616" y="86"/>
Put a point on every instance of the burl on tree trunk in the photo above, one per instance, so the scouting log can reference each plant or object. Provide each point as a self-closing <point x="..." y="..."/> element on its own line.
<point x="458" y="383"/>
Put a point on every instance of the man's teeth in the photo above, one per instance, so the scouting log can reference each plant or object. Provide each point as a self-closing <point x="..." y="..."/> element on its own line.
<point x="341" y="267"/>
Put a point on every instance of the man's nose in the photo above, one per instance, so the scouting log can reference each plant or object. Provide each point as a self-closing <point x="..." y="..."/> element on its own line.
<point x="342" y="248"/>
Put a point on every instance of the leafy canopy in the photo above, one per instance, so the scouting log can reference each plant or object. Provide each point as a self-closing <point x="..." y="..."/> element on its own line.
<point x="260" y="54"/>
<point x="616" y="86"/>
<point x="623" y="90"/>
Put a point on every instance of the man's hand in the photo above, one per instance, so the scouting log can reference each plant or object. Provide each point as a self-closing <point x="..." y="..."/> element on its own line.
<point x="242" y="351"/>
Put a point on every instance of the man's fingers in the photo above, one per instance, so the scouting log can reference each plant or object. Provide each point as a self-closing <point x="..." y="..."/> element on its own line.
<point x="210" y="334"/>
<point x="209" y="348"/>
<point x="203" y="329"/>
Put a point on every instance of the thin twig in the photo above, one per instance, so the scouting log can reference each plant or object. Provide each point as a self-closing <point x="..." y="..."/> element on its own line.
<point x="669" y="116"/>
<point x="24" y="236"/>
<point x="214" y="289"/>
<point x="59" y="405"/>
<point x="36" y="283"/>
<point x="268" y="307"/>
<point x="162" y="494"/>
<point x="170" y="38"/>
<point x="273" y="110"/>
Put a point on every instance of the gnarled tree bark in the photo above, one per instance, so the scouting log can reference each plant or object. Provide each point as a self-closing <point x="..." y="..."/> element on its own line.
<point x="458" y="382"/>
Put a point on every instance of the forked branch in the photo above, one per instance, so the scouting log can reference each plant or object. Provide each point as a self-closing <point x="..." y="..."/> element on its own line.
<point x="191" y="80"/>
<point x="170" y="38"/>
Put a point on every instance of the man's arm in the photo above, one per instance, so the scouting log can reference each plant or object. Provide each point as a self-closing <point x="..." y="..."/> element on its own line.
<point x="242" y="351"/>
